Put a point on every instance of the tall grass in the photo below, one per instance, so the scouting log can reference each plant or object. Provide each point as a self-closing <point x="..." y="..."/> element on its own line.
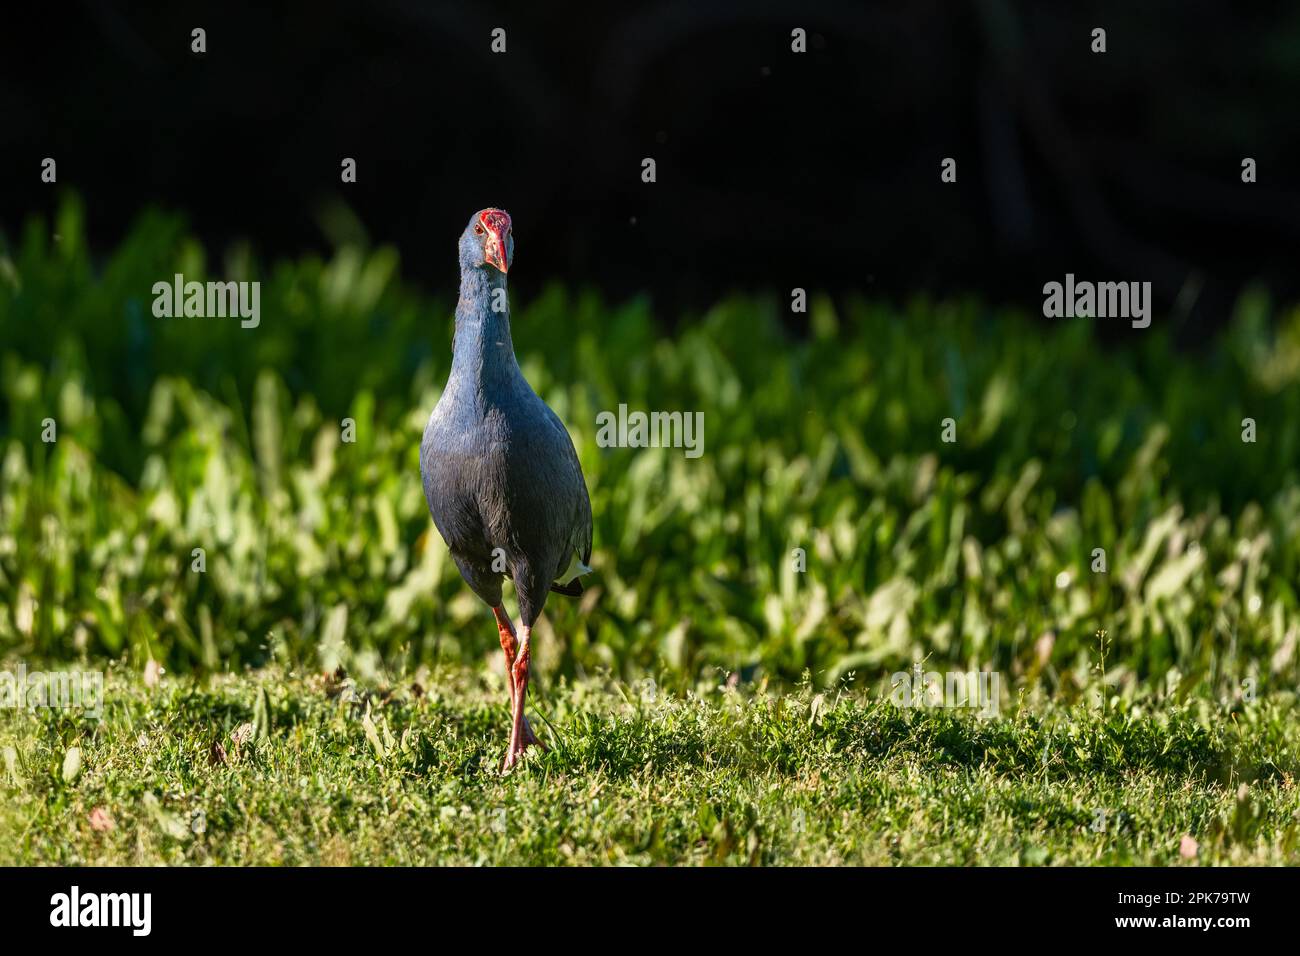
<point x="177" y="434"/>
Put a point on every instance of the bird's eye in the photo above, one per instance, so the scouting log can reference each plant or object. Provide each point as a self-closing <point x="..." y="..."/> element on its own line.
<point x="478" y="230"/>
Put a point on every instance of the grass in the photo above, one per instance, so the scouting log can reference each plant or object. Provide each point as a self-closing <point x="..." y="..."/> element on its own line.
<point x="333" y="773"/>
<point x="203" y="509"/>
<point x="177" y="434"/>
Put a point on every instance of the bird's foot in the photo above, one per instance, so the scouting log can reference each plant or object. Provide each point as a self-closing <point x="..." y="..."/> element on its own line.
<point x="516" y="750"/>
<point x="530" y="738"/>
<point x="513" y="756"/>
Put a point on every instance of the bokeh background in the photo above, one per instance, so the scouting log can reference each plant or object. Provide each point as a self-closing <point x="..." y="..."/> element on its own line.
<point x="775" y="171"/>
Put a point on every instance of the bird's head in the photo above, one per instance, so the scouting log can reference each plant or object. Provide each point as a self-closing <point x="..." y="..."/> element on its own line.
<point x="487" y="241"/>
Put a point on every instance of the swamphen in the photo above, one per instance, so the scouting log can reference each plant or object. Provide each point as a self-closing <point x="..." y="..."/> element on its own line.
<point x="501" y="477"/>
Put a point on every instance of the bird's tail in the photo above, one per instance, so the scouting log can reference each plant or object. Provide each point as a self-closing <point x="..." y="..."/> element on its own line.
<point x="572" y="589"/>
<point x="570" y="583"/>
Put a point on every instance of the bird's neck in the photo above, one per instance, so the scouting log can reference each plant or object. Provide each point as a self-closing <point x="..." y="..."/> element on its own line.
<point x="482" y="348"/>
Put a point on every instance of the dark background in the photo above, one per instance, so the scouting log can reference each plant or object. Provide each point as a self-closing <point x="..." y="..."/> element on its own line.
<point x="774" y="169"/>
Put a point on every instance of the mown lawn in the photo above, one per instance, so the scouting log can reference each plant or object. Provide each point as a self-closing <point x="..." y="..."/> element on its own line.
<point x="318" y="770"/>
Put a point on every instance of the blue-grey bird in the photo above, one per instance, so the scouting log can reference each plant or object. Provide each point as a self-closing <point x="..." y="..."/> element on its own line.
<point x="500" y="473"/>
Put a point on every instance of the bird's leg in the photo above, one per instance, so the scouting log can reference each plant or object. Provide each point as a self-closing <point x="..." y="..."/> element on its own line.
<point x="510" y="647"/>
<point x="521" y="735"/>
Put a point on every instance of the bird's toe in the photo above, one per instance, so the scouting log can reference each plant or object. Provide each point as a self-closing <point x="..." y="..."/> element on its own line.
<point x="530" y="738"/>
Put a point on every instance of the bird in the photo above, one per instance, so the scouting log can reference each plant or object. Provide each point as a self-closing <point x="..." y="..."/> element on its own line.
<point x="501" y="476"/>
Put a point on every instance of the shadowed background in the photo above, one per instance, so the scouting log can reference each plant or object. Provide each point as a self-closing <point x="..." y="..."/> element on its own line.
<point x="775" y="170"/>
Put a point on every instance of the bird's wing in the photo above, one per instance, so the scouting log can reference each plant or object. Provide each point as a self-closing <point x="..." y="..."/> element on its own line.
<point x="579" y="550"/>
<point x="450" y="470"/>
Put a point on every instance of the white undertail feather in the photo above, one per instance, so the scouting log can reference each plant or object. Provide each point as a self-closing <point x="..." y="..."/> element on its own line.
<point x="575" y="569"/>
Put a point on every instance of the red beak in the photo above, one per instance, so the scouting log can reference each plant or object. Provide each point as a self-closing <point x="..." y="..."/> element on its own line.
<point x="494" y="250"/>
<point x="497" y="224"/>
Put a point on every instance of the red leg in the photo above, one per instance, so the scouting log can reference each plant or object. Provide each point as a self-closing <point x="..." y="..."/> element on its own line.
<point x="508" y="646"/>
<point x="520" y="732"/>
<point x="520" y="728"/>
